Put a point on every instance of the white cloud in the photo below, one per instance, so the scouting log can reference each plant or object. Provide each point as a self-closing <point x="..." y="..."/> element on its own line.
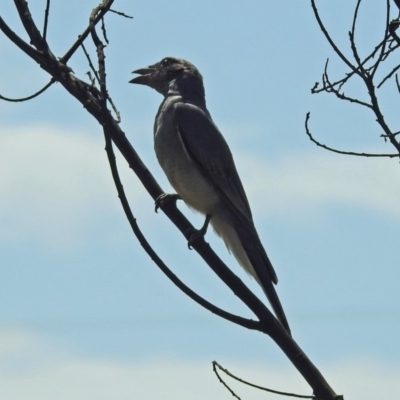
<point x="55" y="374"/>
<point x="54" y="184"/>
<point x="304" y="183"/>
<point x="15" y="341"/>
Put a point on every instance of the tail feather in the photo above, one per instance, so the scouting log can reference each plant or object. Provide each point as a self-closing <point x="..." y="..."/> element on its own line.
<point x="257" y="260"/>
<point x="253" y="258"/>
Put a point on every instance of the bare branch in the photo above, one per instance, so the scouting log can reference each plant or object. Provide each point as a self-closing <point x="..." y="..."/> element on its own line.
<point x="392" y="30"/>
<point x="103" y="28"/>
<point x="120" y="13"/>
<point x="388" y="76"/>
<point x="246" y="323"/>
<point x="330" y="41"/>
<point x="378" y="113"/>
<point x="35" y="36"/>
<point x="25" y="47"/>
<point x="90" y="63"/>
<point x="339" y="83"/>
<point x="329" y="88"/>
<point x="46" y="19"/>
<point x="215" y="364"/>
<point x="397" y="83"/>
<point x="349" y="153"/>
<point x="298" y="396"/>
<point x="385" y="37"/>
<point x="365" y="72"/>
<point x="352" y="41"/>
<point x="39" y="92"/>
<point x="83" y="36"/>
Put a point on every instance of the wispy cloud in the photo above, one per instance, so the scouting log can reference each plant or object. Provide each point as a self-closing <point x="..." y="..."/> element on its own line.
<point x="305" y="183"/>
<point x="53" y="184"/>
<point x="40" y="372"/>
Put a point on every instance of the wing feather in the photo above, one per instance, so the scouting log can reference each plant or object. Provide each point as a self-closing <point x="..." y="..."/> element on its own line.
<point x="209" y="150"/>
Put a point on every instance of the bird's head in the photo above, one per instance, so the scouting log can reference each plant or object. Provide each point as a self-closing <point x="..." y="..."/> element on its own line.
<point x="171" y="76"/>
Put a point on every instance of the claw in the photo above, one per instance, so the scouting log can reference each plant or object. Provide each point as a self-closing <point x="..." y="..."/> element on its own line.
<point x="197" y="234"/>
<point x="165" y="198"/>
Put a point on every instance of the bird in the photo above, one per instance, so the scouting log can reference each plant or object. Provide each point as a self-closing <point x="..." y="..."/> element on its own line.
<point x="199" y="165"/>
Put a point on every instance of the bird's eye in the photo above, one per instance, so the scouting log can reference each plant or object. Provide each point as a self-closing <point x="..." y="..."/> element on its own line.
<point x="165" y="62"/>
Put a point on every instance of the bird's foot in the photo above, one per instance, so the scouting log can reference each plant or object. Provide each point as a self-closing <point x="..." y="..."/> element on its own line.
<point x="165" y="198"/>
<point x="197" y="234"/>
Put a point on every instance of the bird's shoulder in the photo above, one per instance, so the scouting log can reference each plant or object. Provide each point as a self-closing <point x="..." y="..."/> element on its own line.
<point x="166" y="114"/>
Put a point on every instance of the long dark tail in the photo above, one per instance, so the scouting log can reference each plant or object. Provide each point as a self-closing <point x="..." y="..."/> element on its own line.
<point x="265" y="274"/>
<point x="242" y="240"/>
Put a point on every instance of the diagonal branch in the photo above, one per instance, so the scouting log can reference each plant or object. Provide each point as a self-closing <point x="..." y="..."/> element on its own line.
<point x="246" y="323"/>
<point x="25" y="47"/>
<point x="35" y="36"/>
<point x="82" y="37"/>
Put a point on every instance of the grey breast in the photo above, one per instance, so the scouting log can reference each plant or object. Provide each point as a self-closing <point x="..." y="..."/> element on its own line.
<point x="181" y="171"/>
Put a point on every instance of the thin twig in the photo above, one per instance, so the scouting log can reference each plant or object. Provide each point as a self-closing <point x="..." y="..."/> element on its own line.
<point x="100" y="54"/>
<point x="25" y="47"/>
<point x="397" y="83"/>
<point x="330" y="89"/>
<point x="388" y="76"/>
<point x="103" y="29"/>
<point x="352" y="41"/>
<point x="82" y="37"/>
<point x="380" y="47"/>
<point x="392" y="30"/>
<point x="33" y="32"/>
<point x="90" y="63"/>
<point x="105" y="5"/>
<point x="385" y="37"/>
<point x="46" y="19"/>
<point x="330" y="41"/>
<point x="394" y="134"/>
<point x="43" y="89"/>
<point x="214" y="364"/>
<point x="349" y="153"/>
<point x="298" y="396"/>
<point x="378" y="113"/>
<point x="120" y="13"/>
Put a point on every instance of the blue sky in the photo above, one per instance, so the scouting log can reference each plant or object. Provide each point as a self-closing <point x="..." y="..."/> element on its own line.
<point x="81" y="303"/>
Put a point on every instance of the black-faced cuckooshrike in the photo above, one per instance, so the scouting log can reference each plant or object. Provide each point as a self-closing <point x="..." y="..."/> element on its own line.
<point x="199" y="165"/>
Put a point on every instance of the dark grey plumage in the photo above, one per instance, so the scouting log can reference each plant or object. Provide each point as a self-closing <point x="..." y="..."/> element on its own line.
<point x="199" y="165"/>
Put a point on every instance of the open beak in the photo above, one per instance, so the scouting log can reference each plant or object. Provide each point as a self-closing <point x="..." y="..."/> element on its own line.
<point x="145" y="76"/>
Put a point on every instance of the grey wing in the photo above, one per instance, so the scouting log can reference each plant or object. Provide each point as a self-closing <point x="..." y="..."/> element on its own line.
<point x="208" y="148"/>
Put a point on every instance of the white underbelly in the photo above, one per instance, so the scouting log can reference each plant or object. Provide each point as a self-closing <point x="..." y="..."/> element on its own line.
<point x="190" y="184"/>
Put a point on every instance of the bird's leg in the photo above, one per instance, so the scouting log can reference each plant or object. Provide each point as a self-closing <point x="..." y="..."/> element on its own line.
<point x="165" y="198"/>
<point x="200" y="233"/>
